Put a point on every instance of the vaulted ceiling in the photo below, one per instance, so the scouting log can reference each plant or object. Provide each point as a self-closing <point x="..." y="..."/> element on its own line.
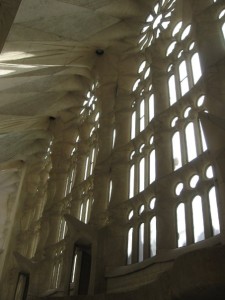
<point x="46" y="62"/>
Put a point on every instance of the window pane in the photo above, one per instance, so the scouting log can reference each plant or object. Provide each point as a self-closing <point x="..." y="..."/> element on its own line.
<point x="74" y="268"/>
<point x="110" y="190"/>
<point x="92" y="161"/>
<point x="129" y="246"/>
<point x="223" y="30"/>
<point x="172" y="90"/>
<point x="142" y="175"/>
<point x="190" y="141"/>
<point x="182" y="70"/>
<point x="87" y="211"/>
<point x="131" y="193"/>
<point x="142" y="115"/>
<point x="153" y="236"/>
<point x="176" y="151"/>
<point x="81" y="212"/>
<point x="141" y="243"/>
<point x="133" y="125"/>
<point x="151" y="107"/>
<point x="184" y="86"/>
<point x="204" y="145"/>
<point x="196" y="67"/>
<point x="214" y="211"/>
<point x="181" y="225"/>
<point x="86" y="168"/>
<point x="152" y="167"/>
<point x="113" y="138"/>
<point x="198" y="223"/>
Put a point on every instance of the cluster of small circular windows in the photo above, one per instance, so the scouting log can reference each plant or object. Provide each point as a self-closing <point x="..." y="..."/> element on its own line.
<point x="193" y="181"/>
<point x="186" y="112"/>
<point x="142" y="209"/>
<point x="141" y="148"/>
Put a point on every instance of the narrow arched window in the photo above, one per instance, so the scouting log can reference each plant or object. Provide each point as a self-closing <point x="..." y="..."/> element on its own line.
<point x="81" y="211"/>
<point x="110" y="190"/>
<point x="142" y="175"/>
<point x="152" y="167"/>
<point x="92" y="161"/>
<point x="184" y="85"/>
<point x="172" y="90"/>
<point x="129" y="246"/>
<point x="151" y="108"/>
<point x="153" y="236"/>
<point x="204" y="145"/>
<point x="87" y="211"/>
<point x="214" y="211"/>
<point x="141" y="243"/>
<point x="133" y="125"/>
<point x="196" y="67"/>
<point x="177" y="160"/>
<point x="74" y="268"/>
<point x="142" y="115"/>
<point x="113" y="138"/>
<point x="223" y="30"/>
<point x="198" y="223"/>
<point x="181" y="226"/>
<point x="86" y="168"/>
<point x="131" y="192"/>
<point x="190" y="141"/>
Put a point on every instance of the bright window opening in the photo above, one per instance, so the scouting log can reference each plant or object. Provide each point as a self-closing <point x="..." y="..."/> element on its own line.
<point x="129" y="246"/>
<point x="181" y="225"/>
<point x="214" y="211"/>
<point x="131" y="193"/>
<point x="153" y="236"/>
<point x="152" y="167"/>
<point x="198" y="222"/>
<point x="190" y="140"/>
<point x="177" y="161"/>
<point x="141" y="243"/>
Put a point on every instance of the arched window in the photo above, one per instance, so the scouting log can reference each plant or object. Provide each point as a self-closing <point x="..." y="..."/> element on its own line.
<point x="81" y="212"/>
<point x="141" y="243"/>
<point x="204" y="144"/>
<point x="110" y="190"/>
<point x="181" y="226"/>
<point x="62" y="229"/>
<point x="196" y="67"/>
<point x="92" y="161"/>
<point x="131" y="192"/>
<point x="133" y="125"/>
<point x="214" y="211"/>
<point x="190" y="141"/>
<point x="151" y="112"/>
<point x="86" y="168"/>
<point x="172" y="90"/>
<point x="152" y="167"/>
<point x="153" y="236"/>
<point x="184" y="85"/>
<point x="142" y="175"/>
<point x="177" y="160"/>
<point x="129" y="245"/>
<point x="223" y="30"/>
<point x="142" y="115"/>
<point x="198" y="223"/>
<point x="87" y="211"/>
<point x="113" y="138"/>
